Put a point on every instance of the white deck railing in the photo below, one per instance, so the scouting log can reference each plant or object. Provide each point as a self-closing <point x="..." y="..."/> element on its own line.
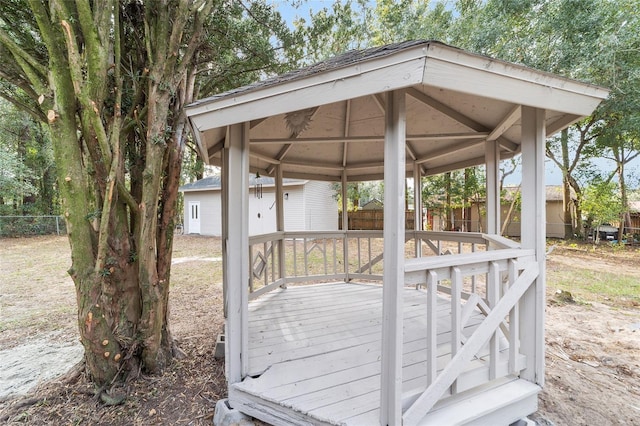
<point x="292" y="257"/>
<point x="492" y="283"/>
<point x="478" y="272"/>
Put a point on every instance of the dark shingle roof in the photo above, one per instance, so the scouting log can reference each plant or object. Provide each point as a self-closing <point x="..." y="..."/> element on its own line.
<point x="348" y="58"/>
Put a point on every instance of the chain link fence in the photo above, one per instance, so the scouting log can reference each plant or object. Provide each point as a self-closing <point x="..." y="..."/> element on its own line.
<point x="20" y="226"/>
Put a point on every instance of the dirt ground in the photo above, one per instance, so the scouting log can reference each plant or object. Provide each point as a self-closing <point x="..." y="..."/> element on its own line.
<point x="593" y="341"/>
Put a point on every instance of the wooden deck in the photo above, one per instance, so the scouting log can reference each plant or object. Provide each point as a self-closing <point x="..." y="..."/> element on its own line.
<point x="314" y="358"/>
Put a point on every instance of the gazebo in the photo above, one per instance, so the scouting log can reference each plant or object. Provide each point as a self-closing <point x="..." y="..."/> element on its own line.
<point x="402" y="326"/>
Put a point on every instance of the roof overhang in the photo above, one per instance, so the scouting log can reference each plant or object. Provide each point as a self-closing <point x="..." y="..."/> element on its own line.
<point x="456" y="101"/>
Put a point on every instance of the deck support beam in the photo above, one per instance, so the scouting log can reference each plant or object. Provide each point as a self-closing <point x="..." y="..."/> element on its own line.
<point x="533" y="237"/>
<point x="394" y="233"/>
<point x="235" y="244"/>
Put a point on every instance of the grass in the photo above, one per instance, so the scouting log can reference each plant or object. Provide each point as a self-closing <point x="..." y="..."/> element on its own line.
<point x="587" y="286"/>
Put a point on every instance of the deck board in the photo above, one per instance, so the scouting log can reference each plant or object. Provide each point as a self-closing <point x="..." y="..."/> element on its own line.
<point x="316" y="349"/>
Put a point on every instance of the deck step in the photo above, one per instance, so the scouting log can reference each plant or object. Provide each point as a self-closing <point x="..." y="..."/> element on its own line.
<point x="499" y="405"/>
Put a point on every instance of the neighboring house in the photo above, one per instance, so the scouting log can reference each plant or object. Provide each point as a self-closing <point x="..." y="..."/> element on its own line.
<point x="476" y="220"/>
<point x="634" y="211"/>
<point x="308" y="205"/>
<point x="373" y="204"/>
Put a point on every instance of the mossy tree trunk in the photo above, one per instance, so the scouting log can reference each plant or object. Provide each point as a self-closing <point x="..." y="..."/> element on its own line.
<point x="117" y="77"/>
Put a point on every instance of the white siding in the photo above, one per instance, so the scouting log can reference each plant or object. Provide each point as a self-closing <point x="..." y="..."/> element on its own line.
<point x="321" y="209"/>
<point x="210" y="213"/>
<point x="294" y="208"/>
<point x="308" y="206"/>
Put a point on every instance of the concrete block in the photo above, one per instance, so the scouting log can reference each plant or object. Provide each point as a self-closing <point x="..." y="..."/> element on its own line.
<point x="219" y="353"/>
<point x="227" y="416"/>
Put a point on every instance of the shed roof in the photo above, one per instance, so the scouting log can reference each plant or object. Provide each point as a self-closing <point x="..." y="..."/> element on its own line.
<point x="326" y="120"/>
<point x="213" y="183"/>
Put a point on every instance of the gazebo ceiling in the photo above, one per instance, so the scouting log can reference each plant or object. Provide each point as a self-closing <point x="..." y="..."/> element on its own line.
<point x="327" y="120"/>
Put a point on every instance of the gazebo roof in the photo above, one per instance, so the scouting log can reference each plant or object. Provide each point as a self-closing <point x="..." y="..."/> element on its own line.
<point x="328" y="119"/>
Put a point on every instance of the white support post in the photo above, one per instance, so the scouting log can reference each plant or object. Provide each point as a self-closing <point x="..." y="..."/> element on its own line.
<point x="417" y="205"/>
<point x="393" y="279"/>
<point x="345" y="226"/>
<point x="492" y="160"/>
<point x="236" y="261"/>
<point x="533" y="237"/>
<point x="280" y="225"/>
<point x="224" y="178"/>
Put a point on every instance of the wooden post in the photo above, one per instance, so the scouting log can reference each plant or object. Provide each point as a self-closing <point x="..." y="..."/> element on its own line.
<point x="345" y="226"/>
<point x="224" y="231"/>
<point x="492" y="159"/>
<point x="533" y="237"/>
<point x="280" y="225"/>
<point x="393" y="280"/>
<point x="236" y="261"/>
<point x="417" y="205"/>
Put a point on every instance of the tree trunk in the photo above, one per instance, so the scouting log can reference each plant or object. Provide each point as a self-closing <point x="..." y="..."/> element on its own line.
<point x="566" y="187"/>
<point x="625" y="219"/>
<point x="120" y="230"/>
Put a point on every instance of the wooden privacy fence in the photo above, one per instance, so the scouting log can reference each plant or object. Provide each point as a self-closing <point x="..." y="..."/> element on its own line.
<point x="372" y="220"/>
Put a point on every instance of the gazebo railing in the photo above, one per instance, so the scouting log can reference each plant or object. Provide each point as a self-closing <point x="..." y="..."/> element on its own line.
<point x="280" y="258"/>
<point x="491" y="283"/>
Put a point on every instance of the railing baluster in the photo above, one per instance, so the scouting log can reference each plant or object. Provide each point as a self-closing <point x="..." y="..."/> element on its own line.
<point x="432" y="323"/>
<point x="359" y="261"/>
<point x="306" y="257"/>
<point x="324" y="250"/>
<point x="514" y="325"/>
<point x="335" y="257"/>
<point x="370" y="262"/>
<point x="456" y="323"/>
<point x="493" y="292"/>
<point x="266" y="263"/>
<point x="251" y="269"/>
<point x="473" y="277"/>
<point x="295" y="257"/>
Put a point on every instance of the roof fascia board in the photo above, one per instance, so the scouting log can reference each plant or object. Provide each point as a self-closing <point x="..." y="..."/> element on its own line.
<point x="460" y="71"/>
<point x="366" y="78"/>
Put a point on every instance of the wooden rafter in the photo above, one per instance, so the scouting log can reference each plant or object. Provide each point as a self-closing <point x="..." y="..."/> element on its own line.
<point x="457" y="116"/>
<point x="505" y="124"/>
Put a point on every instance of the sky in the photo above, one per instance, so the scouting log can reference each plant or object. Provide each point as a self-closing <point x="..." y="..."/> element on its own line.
<point x="553" y="175"/>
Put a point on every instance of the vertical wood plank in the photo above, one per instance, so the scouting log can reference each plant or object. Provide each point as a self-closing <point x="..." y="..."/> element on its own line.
<point x="432" y="323"/>
<point x="417" y="206"/>
<point x="324" y="253"/>
<point x="474" y="278"/>
<point x="514" y="326"/>
<point x="393" y="281"/>
<point x="224" y="178"/>
<point x="493" y="291"/>
<point x="345" y="226"/>
<point x="280" y="225"/>
<point x="456" y="317"/>
<point x="237" y="259"/>
<point x="492" y="160"/>
<point x="533" y="237"/>
<point x="295" y="257"/>
<point x="266" y="263"/>
<point x="306" y="256"/>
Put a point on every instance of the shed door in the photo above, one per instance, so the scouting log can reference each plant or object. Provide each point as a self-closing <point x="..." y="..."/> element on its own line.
<point x="194" y="217"/>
